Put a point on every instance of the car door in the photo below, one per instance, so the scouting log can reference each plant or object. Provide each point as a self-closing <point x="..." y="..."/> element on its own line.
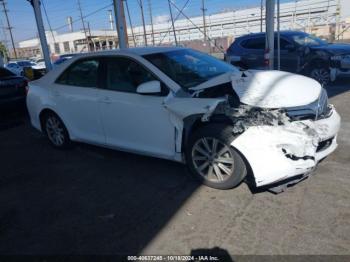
<point x="75" y="94"/>
<point x="132" y="121"/>
<point x="289" y="56"/>
<point x="253" y="52"/>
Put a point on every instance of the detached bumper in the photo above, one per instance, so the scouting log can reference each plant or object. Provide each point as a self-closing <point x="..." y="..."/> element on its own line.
<point x="276" y="153"/>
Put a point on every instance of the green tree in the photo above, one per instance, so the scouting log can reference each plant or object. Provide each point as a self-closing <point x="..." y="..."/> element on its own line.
<point x="3" y="50"/>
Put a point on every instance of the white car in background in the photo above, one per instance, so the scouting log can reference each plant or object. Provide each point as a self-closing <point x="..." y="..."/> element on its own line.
<point x="39" y="64"/>
<point x="186" y="106"/>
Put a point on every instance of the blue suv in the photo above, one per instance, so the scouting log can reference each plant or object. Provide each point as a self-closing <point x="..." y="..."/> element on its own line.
<point x="300" y="53"/>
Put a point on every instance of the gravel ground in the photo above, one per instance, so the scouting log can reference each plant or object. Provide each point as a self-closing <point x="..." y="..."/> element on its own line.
<point x="96" y="201"/>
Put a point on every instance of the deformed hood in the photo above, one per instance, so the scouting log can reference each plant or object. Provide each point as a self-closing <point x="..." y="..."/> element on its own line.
<point x="275" y="89"/>
<point x="335" y="49"/>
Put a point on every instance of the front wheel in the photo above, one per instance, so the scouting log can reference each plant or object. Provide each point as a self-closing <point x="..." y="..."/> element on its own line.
<point x="321" y="74"/>
<point x="213" y="160"/>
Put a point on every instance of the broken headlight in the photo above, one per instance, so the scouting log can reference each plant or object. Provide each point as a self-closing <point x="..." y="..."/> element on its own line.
<point x="318" y="109"/>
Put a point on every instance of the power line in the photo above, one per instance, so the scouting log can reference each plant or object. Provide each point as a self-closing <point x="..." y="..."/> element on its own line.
<point x="85" y="16"/>
<point x="209" y="39"/>
<point x="131" y="27"/>
<point x="9" y="28"/>
<point x="172" y="21"/>
<point x="177" y="16"/>
<point x="143" y="21"/>
<point x="48" y="22"/>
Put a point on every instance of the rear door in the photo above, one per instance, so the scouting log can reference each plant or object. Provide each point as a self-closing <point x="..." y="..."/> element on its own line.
<point x="253" y="52"/>
<point x="76" y="93"/>
<point x="289" y="55"/>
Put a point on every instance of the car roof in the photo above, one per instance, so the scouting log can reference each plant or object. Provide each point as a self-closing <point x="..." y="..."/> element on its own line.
<point x="284" y="33"/>
<point x="134" y="50"/>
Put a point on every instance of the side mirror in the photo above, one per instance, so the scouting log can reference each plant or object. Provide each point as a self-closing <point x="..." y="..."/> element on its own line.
<point x="151" y="87"/>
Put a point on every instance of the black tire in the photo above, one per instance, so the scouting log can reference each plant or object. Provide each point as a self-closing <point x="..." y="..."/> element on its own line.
<point x="321" y="73"/>
<point x="64" y="142"/>
<point x="224" y="136"/>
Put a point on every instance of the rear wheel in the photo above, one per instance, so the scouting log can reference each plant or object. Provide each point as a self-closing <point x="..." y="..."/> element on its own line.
<point x="56" y="131"/>
<point x="213" y="160"/>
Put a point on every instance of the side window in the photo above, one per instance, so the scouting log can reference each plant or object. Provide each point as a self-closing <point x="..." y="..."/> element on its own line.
<point x="125" y="75"/>
<point x="254" y="43"/>
<point x="283" y="43"/>
<point x="83" y="73"/>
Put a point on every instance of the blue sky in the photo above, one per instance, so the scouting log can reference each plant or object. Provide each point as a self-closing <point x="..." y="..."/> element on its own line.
<point x="24" y="27"/>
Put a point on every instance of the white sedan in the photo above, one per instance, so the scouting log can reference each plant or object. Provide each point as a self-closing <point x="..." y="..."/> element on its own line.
<point x="186" y="106"/>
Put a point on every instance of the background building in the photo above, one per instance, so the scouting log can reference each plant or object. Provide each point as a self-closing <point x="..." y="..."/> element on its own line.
<point x="328" y="19"/>
<point x="72" y="42"/>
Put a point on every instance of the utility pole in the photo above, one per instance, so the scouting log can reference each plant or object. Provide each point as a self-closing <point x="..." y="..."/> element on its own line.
<point x="110" y="19"/>
<point x="151" y="17"/>
<point x="205" y="26"/>
<point x="83" y="23"/>
<point x="172" y="21"/>
<point x="270" y="34"/>
<point x="204" y="21"/>
<point x="90" y="38"/>
<point x="261" y="14"/>
<point x="130" y="23"/>
<point x="41" y="31"/>
<point x="9" y="27"/>
<point x="278" y="37"/>
<point x="143" y="21"/>
<point x="121" y="23"/>
<point x="70" y="23"/>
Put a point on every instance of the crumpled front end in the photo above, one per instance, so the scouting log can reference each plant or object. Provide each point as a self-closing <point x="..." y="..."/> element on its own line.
<point x="278" y="152"/>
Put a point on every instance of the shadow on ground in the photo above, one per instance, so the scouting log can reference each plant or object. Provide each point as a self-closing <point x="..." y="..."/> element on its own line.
<point x="339" y="87"/>
<point x="84" y="201"/>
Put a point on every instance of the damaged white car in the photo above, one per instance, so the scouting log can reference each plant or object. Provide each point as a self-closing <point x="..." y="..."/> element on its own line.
<point x="183" y="105"/>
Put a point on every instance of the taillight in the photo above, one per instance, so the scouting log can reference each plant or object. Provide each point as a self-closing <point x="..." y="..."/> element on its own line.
<point x="25" y="86"/>
<point x="267" y="58"/>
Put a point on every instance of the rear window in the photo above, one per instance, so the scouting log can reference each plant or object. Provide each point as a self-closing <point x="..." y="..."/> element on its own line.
<point x="5" y="73"/>
<point x="82" y="73"/>
<point x="254" y="43"/>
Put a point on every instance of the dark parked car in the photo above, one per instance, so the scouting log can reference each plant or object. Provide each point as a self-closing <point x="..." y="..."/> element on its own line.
<point x="300" y="53"/>
<point x="13" y="90"/>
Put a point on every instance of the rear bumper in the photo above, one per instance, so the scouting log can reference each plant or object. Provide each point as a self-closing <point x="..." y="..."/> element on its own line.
<point x="276" y="153"/>
<point x="13" y="102"/>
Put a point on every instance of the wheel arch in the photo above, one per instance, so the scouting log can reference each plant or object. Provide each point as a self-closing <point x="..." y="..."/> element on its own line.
<point x="194" y="122"/>
<point x="46" y="111"/>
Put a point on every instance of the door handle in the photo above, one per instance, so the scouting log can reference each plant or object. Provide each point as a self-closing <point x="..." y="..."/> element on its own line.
<point x="55" y="93"/>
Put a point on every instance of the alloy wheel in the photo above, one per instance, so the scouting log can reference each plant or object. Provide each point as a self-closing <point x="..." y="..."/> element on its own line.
<point x="55" y="130"/>
<point x="322" y="75"/>
<point x="212" y="159"/>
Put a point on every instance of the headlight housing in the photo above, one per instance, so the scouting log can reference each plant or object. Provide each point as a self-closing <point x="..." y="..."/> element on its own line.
<point x="318" y="109"/>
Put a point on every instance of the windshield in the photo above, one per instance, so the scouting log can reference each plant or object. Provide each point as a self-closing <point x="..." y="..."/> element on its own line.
<point x="308" y="40"/>
<point x="188" y="67"/>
